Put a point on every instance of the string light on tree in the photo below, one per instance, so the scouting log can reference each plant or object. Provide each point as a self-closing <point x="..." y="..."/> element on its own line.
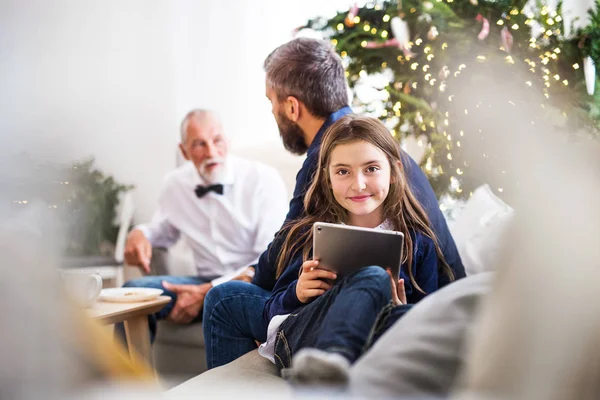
<point x="412" y="41"/>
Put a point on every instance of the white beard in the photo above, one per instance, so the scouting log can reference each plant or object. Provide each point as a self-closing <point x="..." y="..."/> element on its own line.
<point x="217" y="174"/>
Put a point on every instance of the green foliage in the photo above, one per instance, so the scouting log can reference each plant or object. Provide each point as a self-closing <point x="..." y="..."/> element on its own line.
<point x="79" y="198"/>
<point x="446" y="73"/>
<point x="90" y="201"/>
<point x="590" y="36"/>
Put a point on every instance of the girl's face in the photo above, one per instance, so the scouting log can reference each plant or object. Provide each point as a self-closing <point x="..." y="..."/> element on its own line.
<point x="360" y="181"/>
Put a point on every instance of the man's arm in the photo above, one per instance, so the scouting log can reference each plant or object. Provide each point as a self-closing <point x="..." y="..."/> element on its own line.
<point x="266" y="268"/>
<point x="270" y="209"/>
<point x="158" y="233"/>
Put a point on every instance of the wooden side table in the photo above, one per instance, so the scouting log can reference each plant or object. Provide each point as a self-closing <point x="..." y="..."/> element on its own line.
<point x="135" y="317"/>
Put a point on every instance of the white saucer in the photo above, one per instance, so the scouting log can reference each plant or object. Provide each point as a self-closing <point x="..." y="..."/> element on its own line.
<point x="129" y="295"/>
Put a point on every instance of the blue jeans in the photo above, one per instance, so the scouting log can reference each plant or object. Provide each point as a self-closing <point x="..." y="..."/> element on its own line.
<point x="233" y="320"/>
<point x="347" y="319"/>
<point x="156" y="283"/>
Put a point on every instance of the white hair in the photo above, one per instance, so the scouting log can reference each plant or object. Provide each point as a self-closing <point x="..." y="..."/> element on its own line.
<point x="199" y="114"/>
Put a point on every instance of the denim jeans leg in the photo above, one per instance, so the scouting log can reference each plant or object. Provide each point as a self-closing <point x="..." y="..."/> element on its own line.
<point x="388" y="317"/>
<point x="156" y="283"/>
<point x="341" y="320"/>
<point x="233" y="320"/>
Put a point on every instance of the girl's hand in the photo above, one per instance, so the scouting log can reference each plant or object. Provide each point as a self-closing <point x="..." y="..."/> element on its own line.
<point x="311" y="281"/>
<point x="398" y="292"/>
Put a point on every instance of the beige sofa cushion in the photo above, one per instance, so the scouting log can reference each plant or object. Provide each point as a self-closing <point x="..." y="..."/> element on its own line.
<point x="250" y="376"/>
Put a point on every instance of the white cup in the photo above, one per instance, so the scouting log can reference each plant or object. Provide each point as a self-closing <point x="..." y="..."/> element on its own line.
<point x="82" y="286"/>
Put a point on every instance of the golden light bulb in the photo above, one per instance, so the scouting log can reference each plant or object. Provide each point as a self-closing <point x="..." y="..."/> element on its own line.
<point x="384" y="34"/>
<point x="386" y="18"/>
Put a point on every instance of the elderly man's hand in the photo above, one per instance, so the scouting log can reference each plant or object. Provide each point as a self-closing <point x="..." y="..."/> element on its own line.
<point x="245" y="276"/>
<point x="138" y="250"/>
<point x="190" y="300"/>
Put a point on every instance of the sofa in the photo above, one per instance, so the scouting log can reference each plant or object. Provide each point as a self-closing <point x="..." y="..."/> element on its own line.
<point x="420" y="355"/>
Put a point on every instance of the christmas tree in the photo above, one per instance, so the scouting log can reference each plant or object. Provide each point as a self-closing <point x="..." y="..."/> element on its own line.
<point x="440" y="60"/>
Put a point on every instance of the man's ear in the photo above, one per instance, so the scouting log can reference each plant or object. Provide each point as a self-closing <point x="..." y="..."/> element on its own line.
<point x="292" y="108"/>
<point x="183" y="152"/>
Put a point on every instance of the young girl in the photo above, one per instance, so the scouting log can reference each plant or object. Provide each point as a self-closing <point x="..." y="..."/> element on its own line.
<point x="326" y="322"/>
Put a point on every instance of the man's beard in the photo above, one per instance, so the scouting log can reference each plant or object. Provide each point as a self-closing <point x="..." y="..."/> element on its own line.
<point x="217" y="174"/>
<point x="291" y="135"/>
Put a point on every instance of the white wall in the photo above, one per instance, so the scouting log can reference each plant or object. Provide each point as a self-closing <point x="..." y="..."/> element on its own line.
<point x="112" y="79"/>
<point x="91" y="78"/>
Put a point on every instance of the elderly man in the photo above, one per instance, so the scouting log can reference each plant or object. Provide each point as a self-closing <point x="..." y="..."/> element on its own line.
<point x="307" y="88"/>
<point x="226" y="208"/>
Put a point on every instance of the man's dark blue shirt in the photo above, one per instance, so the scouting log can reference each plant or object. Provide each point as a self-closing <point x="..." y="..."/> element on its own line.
<point x="266" y="267"/>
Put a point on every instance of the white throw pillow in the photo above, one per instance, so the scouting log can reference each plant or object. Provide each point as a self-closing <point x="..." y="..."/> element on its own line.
<point x="480" y="229"/>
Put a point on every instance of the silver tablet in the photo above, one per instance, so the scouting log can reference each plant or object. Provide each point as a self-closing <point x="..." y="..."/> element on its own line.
<point x="343" y="249"/>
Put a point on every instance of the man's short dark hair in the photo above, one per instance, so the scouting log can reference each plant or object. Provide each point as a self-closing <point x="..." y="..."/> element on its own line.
<point x="311" y="71"/>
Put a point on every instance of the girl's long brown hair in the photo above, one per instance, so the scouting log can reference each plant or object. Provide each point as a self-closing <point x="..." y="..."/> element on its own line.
<point x="400" y="206"/>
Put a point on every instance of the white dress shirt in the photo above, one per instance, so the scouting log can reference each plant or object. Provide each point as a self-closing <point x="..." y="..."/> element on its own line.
<point x="227" y="232"/>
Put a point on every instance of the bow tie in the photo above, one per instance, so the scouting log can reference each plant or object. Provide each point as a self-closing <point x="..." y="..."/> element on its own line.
<point x="201" y="191"/>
